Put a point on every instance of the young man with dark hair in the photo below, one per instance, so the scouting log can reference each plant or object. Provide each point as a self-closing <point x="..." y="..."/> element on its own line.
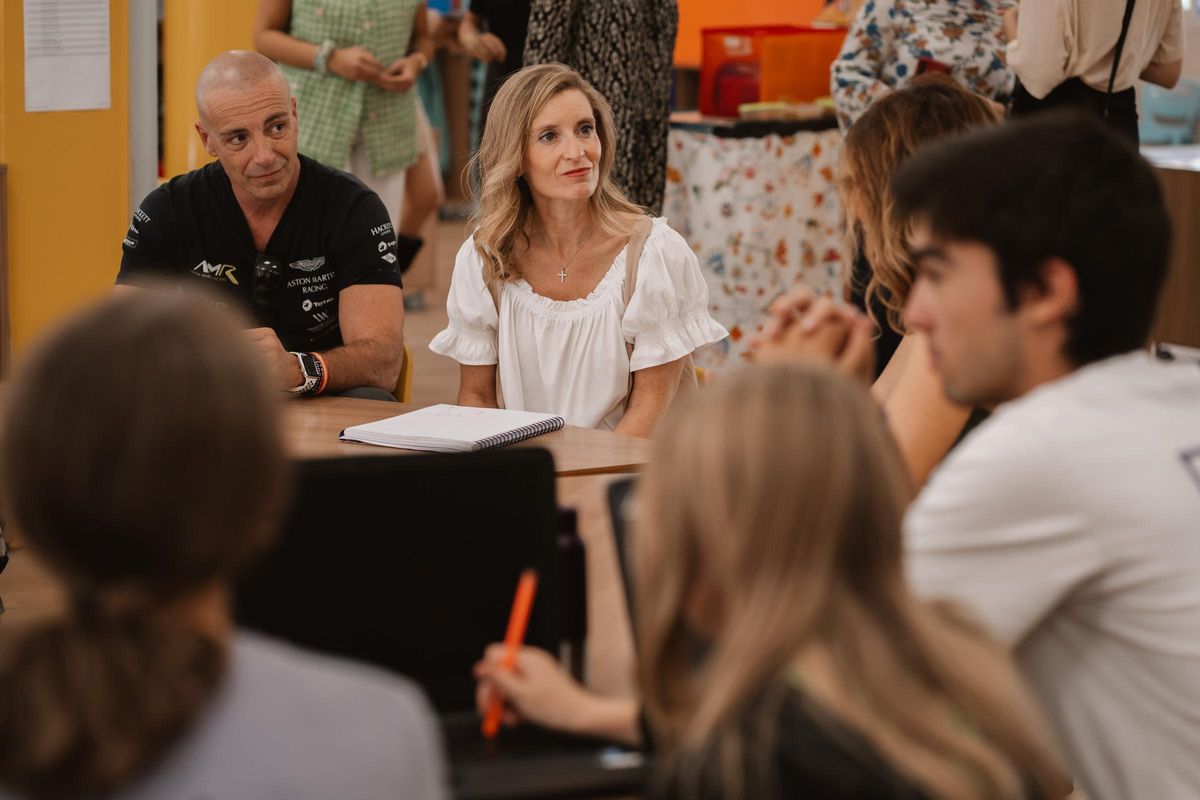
<point x="1068" y="522"/>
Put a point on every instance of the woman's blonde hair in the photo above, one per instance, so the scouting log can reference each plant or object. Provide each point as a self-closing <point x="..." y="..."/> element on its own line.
<point x="771" y="510"/>
<point x="887" y="134"/>
<point x="504" y="198"/>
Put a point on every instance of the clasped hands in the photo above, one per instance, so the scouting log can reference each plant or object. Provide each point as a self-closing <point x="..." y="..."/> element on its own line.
<point x="359" y="64"/>
<point x="807" y="327"/>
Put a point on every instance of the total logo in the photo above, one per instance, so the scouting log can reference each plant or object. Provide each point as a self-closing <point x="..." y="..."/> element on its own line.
<point x="307" y="305"/>
<point x="216" y="272"/>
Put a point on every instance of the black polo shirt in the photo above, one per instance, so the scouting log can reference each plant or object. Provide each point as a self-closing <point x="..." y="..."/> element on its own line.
<point x="334" y="233"/>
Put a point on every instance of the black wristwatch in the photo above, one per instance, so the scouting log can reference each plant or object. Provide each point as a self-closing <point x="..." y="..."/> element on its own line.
<point x="310" y="367"/>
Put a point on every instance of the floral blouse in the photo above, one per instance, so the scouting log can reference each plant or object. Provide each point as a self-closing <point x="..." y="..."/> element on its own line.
<point x="889" y="37"/>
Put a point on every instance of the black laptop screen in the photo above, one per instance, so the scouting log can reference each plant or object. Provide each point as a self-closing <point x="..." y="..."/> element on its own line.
<point x="411" y="562"/>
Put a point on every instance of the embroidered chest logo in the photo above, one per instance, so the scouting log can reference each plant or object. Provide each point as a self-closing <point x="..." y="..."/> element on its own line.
<point x="308" y="264"/>
<point x="226" y="273"/>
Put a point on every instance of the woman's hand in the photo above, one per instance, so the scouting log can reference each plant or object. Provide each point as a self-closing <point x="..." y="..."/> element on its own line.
<point x="401" y="74"/>
<point x="354" y="64"/>
<point x="538" y="690"/>
<point x="838" y="335"/>
<point x="783" y="311"/>
<point x="485" y="47"/>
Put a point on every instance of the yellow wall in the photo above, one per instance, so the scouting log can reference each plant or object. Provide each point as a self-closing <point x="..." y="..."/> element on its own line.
<point x="68" y="186"/>
<point x="194" y="31"/>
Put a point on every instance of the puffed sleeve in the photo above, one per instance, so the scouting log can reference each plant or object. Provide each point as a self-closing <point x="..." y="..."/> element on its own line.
<point x="470" y="337"/>
<point x="668" y="317"/>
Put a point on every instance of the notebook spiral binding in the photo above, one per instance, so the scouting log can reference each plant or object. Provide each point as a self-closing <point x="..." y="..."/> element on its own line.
<point x="520" y="434"/>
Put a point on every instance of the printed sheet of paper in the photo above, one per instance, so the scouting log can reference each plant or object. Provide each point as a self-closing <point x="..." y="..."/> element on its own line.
<point x="67" y="49"/>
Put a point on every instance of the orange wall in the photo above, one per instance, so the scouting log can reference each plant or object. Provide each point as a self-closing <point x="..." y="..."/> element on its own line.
<point x="697" y="14"/>
<point x="68" y="186"/>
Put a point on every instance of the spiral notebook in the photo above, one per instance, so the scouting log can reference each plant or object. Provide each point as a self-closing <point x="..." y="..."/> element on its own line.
<point x="453" y="429"/>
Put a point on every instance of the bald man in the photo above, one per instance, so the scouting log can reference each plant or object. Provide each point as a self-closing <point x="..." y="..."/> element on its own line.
<point x="308" y="250"/>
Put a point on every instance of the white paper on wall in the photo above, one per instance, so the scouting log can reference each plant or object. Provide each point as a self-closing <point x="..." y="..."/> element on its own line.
<point x="67" y="49"/>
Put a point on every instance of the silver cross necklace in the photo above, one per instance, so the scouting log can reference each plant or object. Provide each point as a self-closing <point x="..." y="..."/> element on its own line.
<point x="562" y="271"/>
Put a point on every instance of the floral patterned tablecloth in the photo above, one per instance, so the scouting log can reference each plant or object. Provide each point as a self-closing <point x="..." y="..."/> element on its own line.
<point x="762" y="215"/>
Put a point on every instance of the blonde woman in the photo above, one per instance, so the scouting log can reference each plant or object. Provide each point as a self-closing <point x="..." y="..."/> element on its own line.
<point x="923" y="421"/>
<point x="540" y="300"/>
<point x="781" y="652"/>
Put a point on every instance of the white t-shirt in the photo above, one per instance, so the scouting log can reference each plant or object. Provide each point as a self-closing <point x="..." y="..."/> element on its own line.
<point x="291" y="724"/>
<point x="1069" y="523"/>
<point x="568" y="357"/>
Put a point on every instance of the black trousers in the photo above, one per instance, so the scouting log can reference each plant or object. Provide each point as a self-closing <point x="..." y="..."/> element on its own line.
<point x="1074" y="93"/>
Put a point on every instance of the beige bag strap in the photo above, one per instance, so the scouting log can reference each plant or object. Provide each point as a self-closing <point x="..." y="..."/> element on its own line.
<point x="495" y="286"/>
<point x="633" y="258"/>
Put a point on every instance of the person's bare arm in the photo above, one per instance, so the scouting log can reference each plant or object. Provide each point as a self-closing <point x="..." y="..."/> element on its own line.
<point x="371" y="317"/>
<point x="271" y="38"/>
<point x="480" y="44"/>
<point x="653" y="390"/>
<point x="1009" y="23"/>
<point x="422" y="36"/>
<point x="401" y="74"/>
<point x="540" y="691"/>
<point x="924" y="423"/>
<point x="1165" y="75"/>
<point x="477" y="385"/>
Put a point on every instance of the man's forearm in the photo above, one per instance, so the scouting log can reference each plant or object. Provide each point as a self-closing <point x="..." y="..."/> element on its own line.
<point x="364" y="363"/>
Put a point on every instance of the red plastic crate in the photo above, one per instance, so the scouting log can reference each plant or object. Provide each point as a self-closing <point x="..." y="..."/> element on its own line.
<point x="763" y="64"/>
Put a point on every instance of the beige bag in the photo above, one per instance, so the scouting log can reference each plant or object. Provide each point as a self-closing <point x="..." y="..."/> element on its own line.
<point x="633" y="256"/>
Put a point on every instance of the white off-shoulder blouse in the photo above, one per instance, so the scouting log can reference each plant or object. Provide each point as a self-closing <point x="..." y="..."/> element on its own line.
<point x="569" y="357"/>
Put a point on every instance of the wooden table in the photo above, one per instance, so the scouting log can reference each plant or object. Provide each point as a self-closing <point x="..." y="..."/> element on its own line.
<point x="585" y="460"/>
<point x="311" y="428"/>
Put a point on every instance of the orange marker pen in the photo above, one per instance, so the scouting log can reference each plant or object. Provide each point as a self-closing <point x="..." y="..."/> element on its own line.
<point x="518" y="621"/>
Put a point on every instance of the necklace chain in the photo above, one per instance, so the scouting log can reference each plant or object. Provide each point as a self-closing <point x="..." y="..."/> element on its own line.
<point x="562" y="271"/>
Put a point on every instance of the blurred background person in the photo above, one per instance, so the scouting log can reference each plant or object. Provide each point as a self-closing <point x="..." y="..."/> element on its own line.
<point x="625" y="50"/>
<point x="494" y="31"/>
<point x="1091" y="54"/>
<point x="353" y="65"/>
<point x="925" y="423"/>
<point x="142" y="460"/>
<point x="892" y="41"/>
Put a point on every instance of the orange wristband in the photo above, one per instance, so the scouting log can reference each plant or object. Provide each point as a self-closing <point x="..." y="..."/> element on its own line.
<point x="324" y="373"/>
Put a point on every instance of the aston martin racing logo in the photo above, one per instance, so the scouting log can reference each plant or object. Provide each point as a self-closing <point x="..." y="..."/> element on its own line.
<point x="308" y="264"/>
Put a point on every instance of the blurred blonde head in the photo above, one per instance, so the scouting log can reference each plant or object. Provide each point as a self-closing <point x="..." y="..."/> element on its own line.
<point x="887" y="134"/>
<point x="505" y="201"/>
<point x="770" y="531"/>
